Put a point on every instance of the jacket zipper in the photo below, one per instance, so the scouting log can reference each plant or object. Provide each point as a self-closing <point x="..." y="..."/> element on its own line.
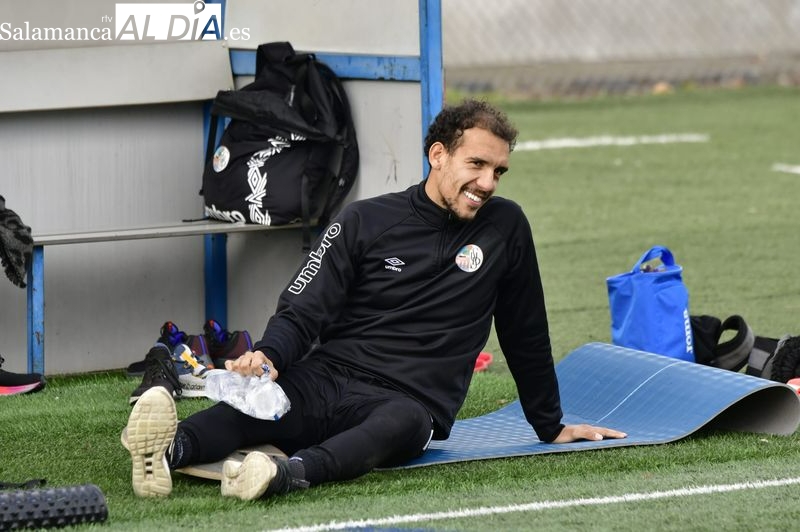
<point x="442" y="244"/>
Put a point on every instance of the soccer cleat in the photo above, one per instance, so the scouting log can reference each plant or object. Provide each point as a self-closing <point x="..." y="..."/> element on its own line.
<point x="148" y="435"/>
<point x="17" y="383"/>
<point x="224" y="345"/>
<point x="191" y="372"/>
<point x="159" y="371"/>
<point x="257" y="475"/>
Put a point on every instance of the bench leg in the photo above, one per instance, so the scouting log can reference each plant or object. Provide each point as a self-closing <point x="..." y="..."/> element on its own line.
<point x="216" y="277"/>
<point x="36" y="312"/>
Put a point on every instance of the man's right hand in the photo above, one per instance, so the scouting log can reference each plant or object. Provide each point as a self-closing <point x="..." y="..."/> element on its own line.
<point x="250" y="363"/>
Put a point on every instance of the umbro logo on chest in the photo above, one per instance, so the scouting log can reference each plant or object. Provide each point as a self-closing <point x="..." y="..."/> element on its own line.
<point x="394" y="264"/>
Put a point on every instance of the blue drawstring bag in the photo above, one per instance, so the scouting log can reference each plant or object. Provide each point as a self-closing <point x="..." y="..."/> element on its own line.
<point x="650" y="307"/>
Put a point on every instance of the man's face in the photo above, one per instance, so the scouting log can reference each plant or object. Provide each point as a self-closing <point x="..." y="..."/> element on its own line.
<point x="462" y="181"/>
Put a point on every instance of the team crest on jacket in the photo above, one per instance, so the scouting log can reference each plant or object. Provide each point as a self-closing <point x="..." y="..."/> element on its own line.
<point x="221" y="158"/>
<point x="469" y="258"/>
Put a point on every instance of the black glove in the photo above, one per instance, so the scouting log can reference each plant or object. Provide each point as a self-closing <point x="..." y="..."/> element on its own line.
<point x="786" y="362"/>
<point x="16" y="245"/>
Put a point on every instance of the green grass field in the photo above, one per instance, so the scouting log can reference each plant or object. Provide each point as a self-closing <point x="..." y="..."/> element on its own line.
<point x="728" y="218"/>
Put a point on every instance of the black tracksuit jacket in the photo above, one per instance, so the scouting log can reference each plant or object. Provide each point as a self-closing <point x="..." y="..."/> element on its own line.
<point x="384" y="295"/>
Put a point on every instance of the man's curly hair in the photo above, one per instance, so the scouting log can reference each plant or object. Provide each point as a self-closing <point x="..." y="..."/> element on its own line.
<point x="449" y="125"/>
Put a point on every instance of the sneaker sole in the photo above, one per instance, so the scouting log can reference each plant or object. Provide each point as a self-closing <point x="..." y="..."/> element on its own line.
<point x="21" y="388"/>
<point x="248" y="479"/>
<point x="149" y="433"/>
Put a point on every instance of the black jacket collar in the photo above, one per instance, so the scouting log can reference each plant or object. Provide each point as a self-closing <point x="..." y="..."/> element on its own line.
<point x="429" y="211"/>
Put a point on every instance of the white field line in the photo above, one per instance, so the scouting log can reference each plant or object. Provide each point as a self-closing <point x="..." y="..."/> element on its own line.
<point x="789" y="169"/>
<point x="544" y="505"/>
<point x="609" y="140"/>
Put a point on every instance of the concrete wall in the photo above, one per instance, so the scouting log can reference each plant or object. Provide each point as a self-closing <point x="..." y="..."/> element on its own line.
<point x="123" y="165"/>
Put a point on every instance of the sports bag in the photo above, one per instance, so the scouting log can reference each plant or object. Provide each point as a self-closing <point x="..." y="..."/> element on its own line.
<point x="289" y="152"/>
<point x="649" y="307"/>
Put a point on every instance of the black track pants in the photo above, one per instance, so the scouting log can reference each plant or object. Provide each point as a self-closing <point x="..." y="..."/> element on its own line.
<point x="341" y="426"/>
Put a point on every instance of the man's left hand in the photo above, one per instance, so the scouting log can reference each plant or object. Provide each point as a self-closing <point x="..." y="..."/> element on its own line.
<point x="572" y="433"/>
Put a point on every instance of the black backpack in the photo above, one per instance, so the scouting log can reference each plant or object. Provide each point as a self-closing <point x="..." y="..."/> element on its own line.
<point x="289" y="152"/>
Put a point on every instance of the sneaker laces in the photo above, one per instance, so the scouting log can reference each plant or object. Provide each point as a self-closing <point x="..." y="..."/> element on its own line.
<point x="161" y="368"/>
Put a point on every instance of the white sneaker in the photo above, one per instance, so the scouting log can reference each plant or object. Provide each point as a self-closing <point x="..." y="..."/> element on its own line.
<point x="149" y="433"/>
<point x="191" y="371"/>
<point x="250" y="478"/>
<point x="257" y="475"/>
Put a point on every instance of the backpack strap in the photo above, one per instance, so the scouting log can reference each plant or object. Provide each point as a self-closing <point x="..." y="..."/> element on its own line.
<point x="759" y="364"/>
<point x="211" y="144"/>
<point x="732" y="354"/>
<point x="348" y="166"/>
<point x="301" y="99"/>
<point x="305" y="210"/>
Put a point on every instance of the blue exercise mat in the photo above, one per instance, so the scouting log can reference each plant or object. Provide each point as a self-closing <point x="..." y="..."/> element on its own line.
<point x="654" y="399"/>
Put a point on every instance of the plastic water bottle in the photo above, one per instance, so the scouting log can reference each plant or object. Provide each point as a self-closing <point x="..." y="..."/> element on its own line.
<point x="259" y="397"/>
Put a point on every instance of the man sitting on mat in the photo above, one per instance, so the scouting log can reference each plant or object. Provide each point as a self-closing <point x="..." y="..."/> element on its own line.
<point x="400" y="294"/>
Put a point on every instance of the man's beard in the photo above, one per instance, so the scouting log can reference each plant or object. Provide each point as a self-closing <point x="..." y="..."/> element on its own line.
<point x="451" y="208"/>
